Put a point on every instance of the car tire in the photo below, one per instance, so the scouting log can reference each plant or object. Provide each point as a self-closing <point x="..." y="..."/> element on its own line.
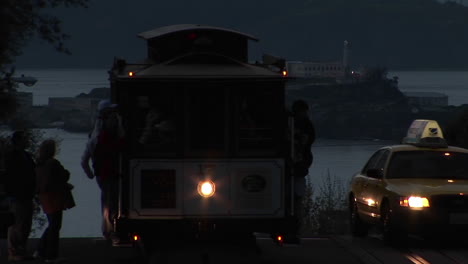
<point x="392" y="235"/>
<point x="358" y="227"/>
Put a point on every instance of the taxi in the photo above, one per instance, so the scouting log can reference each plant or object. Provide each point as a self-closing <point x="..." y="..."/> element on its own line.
<point x="420" y="186"/>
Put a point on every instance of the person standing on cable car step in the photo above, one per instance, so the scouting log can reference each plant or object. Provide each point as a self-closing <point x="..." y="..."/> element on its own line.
<point x="304" y="137"/>
<point x="103" y="148"/>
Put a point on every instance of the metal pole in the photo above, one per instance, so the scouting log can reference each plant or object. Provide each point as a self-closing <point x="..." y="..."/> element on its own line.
<point x="119" y="215"/>
<point x="291" y="128"/>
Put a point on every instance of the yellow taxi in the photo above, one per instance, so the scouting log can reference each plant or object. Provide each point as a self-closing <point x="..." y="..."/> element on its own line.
<point x="420" y="186"/>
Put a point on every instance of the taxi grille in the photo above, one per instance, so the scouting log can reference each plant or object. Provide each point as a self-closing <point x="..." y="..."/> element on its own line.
<point x="450" y="202"/>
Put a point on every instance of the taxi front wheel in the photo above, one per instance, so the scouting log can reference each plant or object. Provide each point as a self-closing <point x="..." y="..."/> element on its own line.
<point x="392" y="235"/>
<point x="358" y="227"/>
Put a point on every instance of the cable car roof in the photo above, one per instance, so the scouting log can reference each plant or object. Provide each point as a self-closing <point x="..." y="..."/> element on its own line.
<point x="200" y="71"/>
<point x="158" y="32"/>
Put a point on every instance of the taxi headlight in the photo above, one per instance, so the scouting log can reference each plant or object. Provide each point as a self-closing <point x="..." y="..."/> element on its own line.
<point x="414" y="202"/>
<point x="206" y="188"/>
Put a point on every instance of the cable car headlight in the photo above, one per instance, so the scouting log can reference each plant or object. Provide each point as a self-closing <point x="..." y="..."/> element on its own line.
<point x="206" y="188"/>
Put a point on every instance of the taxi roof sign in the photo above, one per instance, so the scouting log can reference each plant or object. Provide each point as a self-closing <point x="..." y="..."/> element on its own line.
<point x="425" y="133"/>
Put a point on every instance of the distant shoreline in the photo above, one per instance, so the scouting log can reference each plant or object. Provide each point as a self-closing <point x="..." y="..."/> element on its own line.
<point x="429" y="70"/>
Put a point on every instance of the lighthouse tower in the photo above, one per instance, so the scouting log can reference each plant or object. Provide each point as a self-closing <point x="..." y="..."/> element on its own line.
<point x="346" y="56"/>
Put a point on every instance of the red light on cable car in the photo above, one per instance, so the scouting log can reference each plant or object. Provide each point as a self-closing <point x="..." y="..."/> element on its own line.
<point x="279" y="238"/>
<point x="285" y="73"/>
<point x="136" y="237"/>
<point x="131" y="74"/>
<point x="192" y="36"/>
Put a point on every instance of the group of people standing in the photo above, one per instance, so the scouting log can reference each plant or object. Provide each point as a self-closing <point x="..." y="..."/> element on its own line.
<point x="43" y="176"/>
<point x="25" y="178"/>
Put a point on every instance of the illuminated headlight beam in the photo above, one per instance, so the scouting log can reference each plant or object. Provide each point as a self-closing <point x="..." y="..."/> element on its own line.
<point x="414" y="202"/>
<point x="370" y="202"/>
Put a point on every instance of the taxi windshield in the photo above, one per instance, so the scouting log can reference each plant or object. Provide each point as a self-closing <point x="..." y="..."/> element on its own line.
<point x="428" y="164"/>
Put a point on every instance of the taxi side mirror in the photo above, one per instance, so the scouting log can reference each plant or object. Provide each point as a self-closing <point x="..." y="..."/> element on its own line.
<point x="375" y="173"/>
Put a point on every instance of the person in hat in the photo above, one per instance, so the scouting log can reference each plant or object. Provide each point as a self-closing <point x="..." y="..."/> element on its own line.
<point x="103" y="150"/>
<point x="104" y="109"/>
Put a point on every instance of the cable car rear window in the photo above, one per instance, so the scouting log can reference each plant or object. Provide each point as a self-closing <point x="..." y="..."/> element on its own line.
<point x="194" y="119"/>
<point x="206" y="115"/>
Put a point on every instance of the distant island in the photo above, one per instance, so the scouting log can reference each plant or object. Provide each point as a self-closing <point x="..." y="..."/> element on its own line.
<point x="75" y="114"/>
<point x="371" y="107"/>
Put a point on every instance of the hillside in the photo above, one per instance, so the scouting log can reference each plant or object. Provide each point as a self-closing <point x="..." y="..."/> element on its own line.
<point x="399" y="34"/>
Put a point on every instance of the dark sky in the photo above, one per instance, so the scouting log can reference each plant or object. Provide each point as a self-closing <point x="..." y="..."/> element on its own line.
<point x="307" y="30"/>
<point x="109" y="28"/>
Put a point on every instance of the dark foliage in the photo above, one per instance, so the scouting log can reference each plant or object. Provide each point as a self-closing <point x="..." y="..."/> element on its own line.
<point x="20" y="20"/>
<point x="7" y="101"/>
<point x="456" y="132"/>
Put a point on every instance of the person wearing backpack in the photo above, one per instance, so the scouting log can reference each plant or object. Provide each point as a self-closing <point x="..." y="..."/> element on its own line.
<point x="103" y="150"/>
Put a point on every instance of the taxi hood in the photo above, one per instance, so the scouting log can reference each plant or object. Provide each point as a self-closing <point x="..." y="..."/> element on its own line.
<point x="427" y="187"/>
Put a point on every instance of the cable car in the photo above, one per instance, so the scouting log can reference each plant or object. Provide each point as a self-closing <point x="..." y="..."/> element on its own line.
<point x="206" y="138"/>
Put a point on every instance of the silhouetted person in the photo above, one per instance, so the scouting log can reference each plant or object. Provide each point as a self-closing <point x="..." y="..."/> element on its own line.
<point x="20" y="186"/>
<point x="304" y="137"/>
<point x="103" y="148"/>
<point x="104" y="109"/>
<point x="158" y="129"/>
<point x="54" y="194"/>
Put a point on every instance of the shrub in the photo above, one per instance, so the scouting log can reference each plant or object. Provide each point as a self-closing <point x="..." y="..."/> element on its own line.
<point x="325" y="211"/>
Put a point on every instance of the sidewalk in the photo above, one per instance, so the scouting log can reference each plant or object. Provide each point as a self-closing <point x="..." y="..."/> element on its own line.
<point x="79" y="250"/>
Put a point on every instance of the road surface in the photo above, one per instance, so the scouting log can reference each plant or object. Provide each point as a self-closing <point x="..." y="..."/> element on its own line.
<point x="316" y="250"/>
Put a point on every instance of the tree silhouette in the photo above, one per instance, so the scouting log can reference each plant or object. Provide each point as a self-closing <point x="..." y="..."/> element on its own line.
<point x="20" y="21"/>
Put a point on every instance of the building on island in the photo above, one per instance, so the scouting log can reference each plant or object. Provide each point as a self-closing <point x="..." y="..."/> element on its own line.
<point x="308" y="70"/>
<point x="331" y="71"/>
<point x="73" y="103"/>
<point x="426" y="99"/>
